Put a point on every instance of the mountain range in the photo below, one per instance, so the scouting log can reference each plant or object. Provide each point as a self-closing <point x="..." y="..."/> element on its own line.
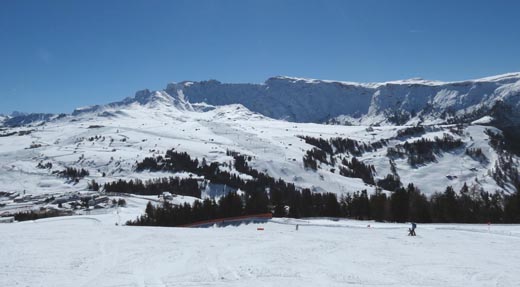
<point x="310" y="133"/>
<point x="319" y="101"/>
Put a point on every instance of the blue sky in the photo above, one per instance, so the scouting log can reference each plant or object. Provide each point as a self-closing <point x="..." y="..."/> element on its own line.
<point x="58" y="55"/>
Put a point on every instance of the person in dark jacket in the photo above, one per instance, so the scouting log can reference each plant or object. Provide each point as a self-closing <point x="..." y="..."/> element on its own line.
<point x="411" y="231"/>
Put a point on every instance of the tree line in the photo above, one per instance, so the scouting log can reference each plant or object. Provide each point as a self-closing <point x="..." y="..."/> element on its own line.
<point x="338" y="145"/>
<point x="358" y="169"/>
<point x="469" y="205"/>
<point x="264" y="193"/>
<point x="423" y="150"/>
<point x="505" y="170"/>
<point x="74" y="174"/>
<point x="408" y="204"/>
<point x="281" y="203"/>
<point x="176" y="185"/>
<point x="411" y="131"/>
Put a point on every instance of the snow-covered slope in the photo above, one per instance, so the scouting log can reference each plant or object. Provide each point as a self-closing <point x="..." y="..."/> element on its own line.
<point x="109" y="140"/>
<point x="92" y="251"/>
<point x="145" y="98"/>
<point x="309" y="100"/>
<point x="20" y="119"/>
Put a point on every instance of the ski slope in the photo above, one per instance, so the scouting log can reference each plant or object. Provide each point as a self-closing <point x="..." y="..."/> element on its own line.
<point x="93" y="251"/>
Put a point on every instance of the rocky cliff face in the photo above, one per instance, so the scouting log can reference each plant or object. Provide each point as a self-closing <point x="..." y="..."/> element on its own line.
<point x="306" y="100"/>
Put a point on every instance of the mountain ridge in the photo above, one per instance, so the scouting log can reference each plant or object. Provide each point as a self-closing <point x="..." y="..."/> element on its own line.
<point x="311" y="100"/>
<point x="295" y="99"/>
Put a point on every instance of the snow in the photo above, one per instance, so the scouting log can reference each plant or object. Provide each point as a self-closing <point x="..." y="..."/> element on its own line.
<point x="497" y="78"/>
<point x="411" y="81"/>
<point x="484" y="120"/>
<point x="108" y="141"/>
<point x="93" y="251"/>
<point x="136" y="131"/>
<point x="311" y="100"/>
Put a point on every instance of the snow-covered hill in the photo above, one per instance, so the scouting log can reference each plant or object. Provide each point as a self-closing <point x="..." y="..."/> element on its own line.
<point x="110" y="140"/>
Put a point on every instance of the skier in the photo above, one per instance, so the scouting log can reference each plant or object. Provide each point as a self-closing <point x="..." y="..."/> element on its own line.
<point x="411" y="231"/>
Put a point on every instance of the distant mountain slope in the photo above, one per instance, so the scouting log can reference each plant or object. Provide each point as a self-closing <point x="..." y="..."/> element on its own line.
<point x="308" y="100"/>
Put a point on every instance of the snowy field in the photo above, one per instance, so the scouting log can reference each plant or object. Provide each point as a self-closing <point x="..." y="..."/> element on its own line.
<point x="93" y="251"/>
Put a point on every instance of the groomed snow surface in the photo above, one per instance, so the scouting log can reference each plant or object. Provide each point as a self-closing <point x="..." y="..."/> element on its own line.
<point x="92" y="251"/>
